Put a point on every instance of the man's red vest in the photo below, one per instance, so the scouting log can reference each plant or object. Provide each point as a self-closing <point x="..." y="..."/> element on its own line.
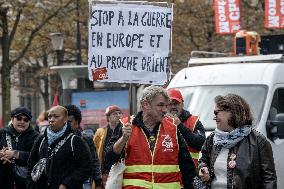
<point x="191" y="123"/>
<point x="159" y="169"/>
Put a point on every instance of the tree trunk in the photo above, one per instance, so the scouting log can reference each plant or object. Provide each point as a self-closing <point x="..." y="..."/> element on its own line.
<point x="6" y="86"/>
<point x="46" y="101"/>
<point x="45" y="79"/>
<point x="5" y="70"/>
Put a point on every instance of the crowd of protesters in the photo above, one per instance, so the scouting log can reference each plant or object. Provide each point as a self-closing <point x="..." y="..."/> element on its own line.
<point x="160" y="146"/>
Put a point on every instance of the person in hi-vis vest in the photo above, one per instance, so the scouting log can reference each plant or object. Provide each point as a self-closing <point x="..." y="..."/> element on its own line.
<point x="189" y="125"/>
<point x="156" y="155"/>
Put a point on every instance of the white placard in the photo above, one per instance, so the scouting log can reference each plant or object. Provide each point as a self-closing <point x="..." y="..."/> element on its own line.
<point x="129" y="43"/>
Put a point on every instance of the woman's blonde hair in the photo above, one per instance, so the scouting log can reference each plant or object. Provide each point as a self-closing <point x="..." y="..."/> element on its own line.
<point x="42" y="116"/>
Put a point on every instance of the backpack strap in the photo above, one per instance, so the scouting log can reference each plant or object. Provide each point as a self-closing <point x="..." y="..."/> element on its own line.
<point x="72" y="138"/>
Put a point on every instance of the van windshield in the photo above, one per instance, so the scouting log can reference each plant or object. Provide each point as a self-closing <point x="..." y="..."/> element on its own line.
<point x="199" y="100"/>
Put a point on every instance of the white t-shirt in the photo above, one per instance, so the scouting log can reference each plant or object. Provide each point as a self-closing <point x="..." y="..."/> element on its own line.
<point x="220" y="170"/>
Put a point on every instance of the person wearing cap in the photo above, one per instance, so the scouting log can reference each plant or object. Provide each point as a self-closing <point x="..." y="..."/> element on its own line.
<point x="16" y="141"/>
<point x="155" y="152"/>
<point x="189" y="125"/>
<point x="102" y="136"/>
<point x="74" y="119"/>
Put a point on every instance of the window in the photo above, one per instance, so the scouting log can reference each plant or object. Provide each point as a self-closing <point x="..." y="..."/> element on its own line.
<point x="277" y="105"/>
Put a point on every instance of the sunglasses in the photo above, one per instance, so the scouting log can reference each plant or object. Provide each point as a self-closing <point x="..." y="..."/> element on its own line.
<point x="217" y="111"/>
<point x="23" y="118"/>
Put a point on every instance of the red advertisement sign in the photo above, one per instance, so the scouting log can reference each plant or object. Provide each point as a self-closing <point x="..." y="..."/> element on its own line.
<point x="99" y="74"/>
<point x="274" y="14"/>
<point x="227" y="16"/>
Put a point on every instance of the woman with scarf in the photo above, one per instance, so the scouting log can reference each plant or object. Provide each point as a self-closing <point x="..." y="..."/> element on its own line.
<point x="235" y="155"/>
<point x="59" y="159"/>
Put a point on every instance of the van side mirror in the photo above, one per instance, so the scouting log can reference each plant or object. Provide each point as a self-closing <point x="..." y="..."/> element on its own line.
<point x="278" y="123"/>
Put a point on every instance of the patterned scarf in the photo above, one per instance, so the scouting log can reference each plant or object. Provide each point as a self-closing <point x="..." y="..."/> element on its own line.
<point x="230" y="139"/>
<point x="52" y="136"/>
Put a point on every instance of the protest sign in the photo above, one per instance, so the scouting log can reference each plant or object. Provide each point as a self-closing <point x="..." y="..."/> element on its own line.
<point x="129" y="43"/>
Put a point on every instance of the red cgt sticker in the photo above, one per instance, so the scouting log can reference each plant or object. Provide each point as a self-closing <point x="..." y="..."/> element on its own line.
<point x="99" y="74"/>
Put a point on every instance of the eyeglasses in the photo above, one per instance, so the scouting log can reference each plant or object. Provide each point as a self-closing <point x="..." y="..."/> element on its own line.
<point x="217" y="111"/>
<point x="23" y="118"/>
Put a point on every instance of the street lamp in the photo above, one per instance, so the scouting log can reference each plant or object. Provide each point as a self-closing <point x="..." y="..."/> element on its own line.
<point x="57" y="44"/>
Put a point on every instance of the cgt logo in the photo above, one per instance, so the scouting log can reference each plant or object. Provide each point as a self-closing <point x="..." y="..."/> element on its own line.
<point x="167" y="143"/>
<point x="99" y="74"/>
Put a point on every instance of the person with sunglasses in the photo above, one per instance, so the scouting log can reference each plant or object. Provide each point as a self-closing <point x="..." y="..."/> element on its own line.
<point x="16" y="141"/>
<point x="235" y="155"/>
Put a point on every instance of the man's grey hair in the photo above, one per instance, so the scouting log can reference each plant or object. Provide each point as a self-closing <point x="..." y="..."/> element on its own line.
<point x="149" y="93"/>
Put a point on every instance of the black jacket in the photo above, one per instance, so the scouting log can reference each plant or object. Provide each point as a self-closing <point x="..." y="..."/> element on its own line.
<point x="24" y="146"/>
<point x="96" y="174"/>
<point x="186" y="164"/>
<point x="255" y="167"/>
<point x="68" y="167"/>
<point x="196" y="138"/>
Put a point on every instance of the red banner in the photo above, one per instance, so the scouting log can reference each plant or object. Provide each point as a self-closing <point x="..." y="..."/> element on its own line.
<point x="274" y="14"/>
<point x="227" y="16"/>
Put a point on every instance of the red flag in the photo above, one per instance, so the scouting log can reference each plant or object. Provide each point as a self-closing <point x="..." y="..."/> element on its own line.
<point x="227" y="16"/>
<point x="274" y="14"/>
<point x="55" y="99"/>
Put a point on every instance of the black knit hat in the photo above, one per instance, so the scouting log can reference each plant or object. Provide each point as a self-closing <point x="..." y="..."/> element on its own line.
<point x="21" y="111"/>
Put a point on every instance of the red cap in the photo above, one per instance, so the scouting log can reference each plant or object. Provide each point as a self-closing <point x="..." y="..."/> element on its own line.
<point x="111" y="109"/>
<point x="175" y="94"/>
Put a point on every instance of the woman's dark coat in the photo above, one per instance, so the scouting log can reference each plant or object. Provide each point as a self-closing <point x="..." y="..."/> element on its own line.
<point x="21" y="142"/>
<point x="68" y="167"/>
<point x="255" y="167"/>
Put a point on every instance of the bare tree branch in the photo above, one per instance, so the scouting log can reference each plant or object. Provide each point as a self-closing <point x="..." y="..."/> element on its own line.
<point x="16" y="23"/>
<point x="34" y="32"/>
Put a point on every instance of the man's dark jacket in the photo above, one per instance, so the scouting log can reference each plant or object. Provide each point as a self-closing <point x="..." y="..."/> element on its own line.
<point x="196" y="138"/>
<point x="68" y="167"/>
<point x="25" y="141"/>
<point x="96" y="174"/>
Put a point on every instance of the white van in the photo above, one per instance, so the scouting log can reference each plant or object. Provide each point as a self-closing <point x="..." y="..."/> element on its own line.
<point x="258" y="79"/>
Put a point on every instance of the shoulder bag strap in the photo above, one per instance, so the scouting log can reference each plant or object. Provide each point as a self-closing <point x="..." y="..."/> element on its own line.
<point x="9" y="141"/>
<point x="60" y="144"/>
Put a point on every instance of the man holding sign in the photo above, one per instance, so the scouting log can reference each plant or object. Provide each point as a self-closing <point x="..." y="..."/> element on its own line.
<point x="156" y="153"/>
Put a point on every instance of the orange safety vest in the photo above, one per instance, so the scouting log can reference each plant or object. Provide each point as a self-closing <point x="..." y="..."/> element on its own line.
<point x="191" y="123"/>
<point x="158" y="169"/>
